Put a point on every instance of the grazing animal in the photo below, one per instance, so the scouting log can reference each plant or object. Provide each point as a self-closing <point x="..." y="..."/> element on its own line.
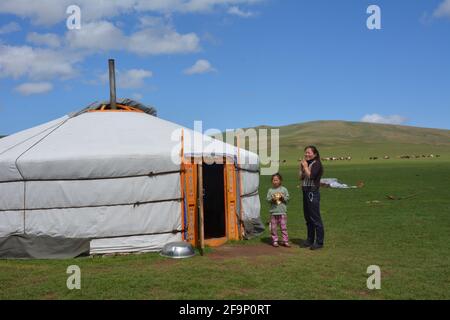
<point x="386" y="157"/>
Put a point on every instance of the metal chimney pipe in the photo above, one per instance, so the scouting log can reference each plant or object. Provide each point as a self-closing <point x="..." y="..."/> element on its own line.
<point x="112" y="84"/>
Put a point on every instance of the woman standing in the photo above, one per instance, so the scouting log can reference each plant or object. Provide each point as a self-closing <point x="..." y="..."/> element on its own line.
<point x="311" y="171"/>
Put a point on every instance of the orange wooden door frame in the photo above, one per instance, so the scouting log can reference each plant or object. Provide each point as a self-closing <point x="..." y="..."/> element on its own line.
<point x="230" y="206"/>
<point x="231" y="198"/>
<point x="190" y="174"/>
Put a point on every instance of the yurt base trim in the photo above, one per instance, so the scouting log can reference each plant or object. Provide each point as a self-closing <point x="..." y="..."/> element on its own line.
<point x="23" y="246"/>
<point x="42" y="247"/>
<point x="133" y="244"/>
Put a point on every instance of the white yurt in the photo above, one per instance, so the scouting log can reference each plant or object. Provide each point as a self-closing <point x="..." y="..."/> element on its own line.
<point x="109" y="180"/>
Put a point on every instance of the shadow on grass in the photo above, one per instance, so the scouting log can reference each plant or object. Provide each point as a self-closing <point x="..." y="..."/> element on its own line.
<point x="295" y="241"/>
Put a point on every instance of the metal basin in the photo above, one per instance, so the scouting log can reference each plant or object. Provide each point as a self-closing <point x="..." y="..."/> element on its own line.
<point x="178" y="250"/>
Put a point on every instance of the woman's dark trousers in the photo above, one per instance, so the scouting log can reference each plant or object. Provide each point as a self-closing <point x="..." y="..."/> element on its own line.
<point x="311" y="209"/>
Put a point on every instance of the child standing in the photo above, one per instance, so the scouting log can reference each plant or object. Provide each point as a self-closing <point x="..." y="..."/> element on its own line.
<point x="278" y="197"/>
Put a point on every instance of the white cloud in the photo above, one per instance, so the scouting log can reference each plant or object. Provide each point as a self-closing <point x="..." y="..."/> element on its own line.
<point x="9" y="28"/>
<point x="30" y="88"/>
<point x="47" y="39"/>
<point x="376" y="118"/>
<point x="151" y="21"/>
<point x="443" y="10"/>
<point x="238" y="12"/>
<point x="35" y="63"/>
<point x="210" y="38"/>
<point x="96" y="36"/>
<point x="47" y="63"/>
<point x="188" y="6"/>
<point x="50" y="12"/>
<point x="201" y="66"/>
<point x="165" y="41"/>
<point x="53" y="56"/>
<point x="105" y="36"/>
<point x="133" y="78"/>
<point x="137" y="96"/>
<point x="41" y="12"/>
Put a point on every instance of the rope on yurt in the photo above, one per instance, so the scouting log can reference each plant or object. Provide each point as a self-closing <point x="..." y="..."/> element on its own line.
<point x="139" y="234"/>
<point x="134" y="204"/>
<point x="150" y="175"/>
<point x="23" y="141"/>
<point x="247" y="170"/>
<point x="250" y="194"/>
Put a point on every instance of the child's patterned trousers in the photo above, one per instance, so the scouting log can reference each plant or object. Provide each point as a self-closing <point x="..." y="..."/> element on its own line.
<point x="281" y="220"/>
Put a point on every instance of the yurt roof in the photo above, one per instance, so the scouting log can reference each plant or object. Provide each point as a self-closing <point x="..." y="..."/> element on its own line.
<point x="103" y="144"/>
<point x="124" y="104"/>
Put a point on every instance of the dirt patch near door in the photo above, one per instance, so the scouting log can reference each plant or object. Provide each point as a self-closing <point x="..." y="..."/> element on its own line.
<point x="249" y="251"/>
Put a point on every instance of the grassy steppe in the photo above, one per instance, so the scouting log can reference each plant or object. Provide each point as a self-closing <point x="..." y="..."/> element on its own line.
<point x="409" y="239"/>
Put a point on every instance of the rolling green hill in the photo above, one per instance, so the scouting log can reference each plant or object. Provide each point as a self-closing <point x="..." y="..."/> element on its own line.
<point x="361" y="140"/>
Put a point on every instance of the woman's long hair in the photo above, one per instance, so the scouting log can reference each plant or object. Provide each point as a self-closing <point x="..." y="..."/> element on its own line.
<point x="317" y="157"/>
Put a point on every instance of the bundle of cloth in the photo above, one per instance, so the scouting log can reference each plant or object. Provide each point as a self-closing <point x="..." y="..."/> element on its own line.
<point x="334" y="183"/>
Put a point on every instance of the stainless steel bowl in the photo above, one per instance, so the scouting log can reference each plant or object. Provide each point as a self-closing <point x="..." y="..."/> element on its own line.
<point x="178" y="250"/>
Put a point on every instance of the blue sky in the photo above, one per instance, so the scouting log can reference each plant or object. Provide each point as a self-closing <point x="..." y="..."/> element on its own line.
<point x="230" y="63"/>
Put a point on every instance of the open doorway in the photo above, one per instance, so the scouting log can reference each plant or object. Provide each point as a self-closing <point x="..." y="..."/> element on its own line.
<point x="214" y="201"/>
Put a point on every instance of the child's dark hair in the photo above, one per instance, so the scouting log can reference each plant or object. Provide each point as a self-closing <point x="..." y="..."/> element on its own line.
<point x="277" y="175"/>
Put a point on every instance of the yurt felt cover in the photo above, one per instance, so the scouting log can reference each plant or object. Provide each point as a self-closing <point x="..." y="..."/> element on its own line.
<point x="104" y="179"/>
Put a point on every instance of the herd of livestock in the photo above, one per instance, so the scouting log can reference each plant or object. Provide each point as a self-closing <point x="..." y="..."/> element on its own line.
<point x="386" y="157"/>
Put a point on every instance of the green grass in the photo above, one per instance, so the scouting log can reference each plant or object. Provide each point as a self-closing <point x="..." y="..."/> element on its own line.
<point x="409" y="239"/>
